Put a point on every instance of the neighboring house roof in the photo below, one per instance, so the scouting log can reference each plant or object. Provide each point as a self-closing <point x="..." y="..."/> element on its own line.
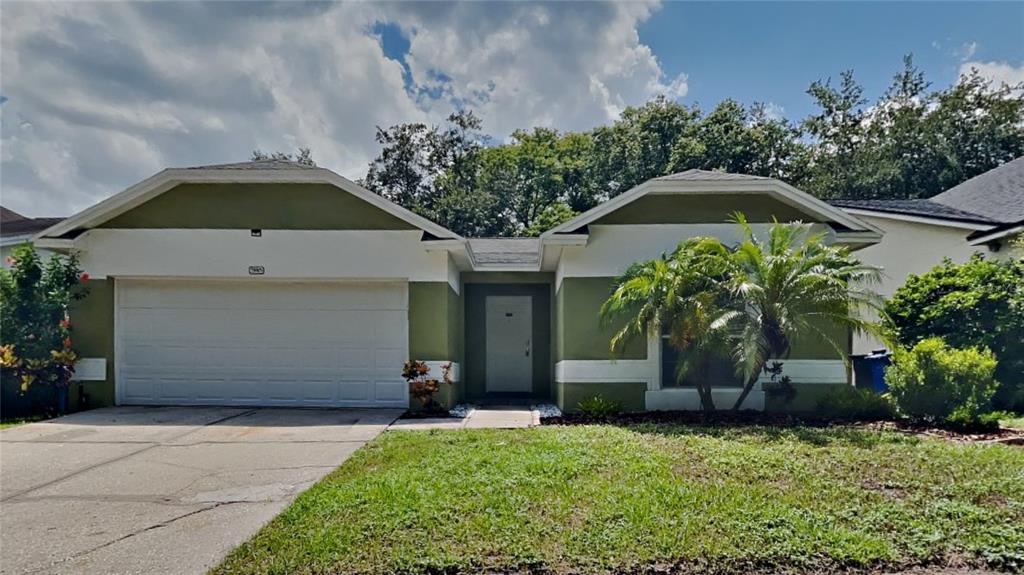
<point x="16" y="228"/>
<point x="260" y="171"/>
<point x="705" y="182"/>
<point x="998" y="194"/>
<point x="498" y="252"/>
<point x="996" y="233"/>
<point x="922" y="208"/>
<point x="995" y="197"/>
<point x="7" y="215"/>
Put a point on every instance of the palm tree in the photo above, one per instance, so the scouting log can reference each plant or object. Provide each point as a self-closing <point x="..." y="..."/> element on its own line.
<point x="750" y="302"/>
<point x="679" y="293"/>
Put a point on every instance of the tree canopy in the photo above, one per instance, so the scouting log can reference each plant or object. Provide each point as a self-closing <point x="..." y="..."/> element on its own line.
<point x="912" y="142"/>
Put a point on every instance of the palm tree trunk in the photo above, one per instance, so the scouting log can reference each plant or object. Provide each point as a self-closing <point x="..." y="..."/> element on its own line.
<point x="747" y="388"/>
<point x="707" y="403"/>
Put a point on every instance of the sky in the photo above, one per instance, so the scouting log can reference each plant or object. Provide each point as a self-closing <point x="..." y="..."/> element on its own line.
<point x="95" y="97"/>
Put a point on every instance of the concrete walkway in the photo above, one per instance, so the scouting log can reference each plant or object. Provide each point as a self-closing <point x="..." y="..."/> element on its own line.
<point x="498" y="417"/>
<point x="160" y="490"/>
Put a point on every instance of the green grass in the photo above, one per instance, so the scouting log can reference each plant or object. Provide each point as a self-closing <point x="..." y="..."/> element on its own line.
<point x="610" y="499"/>
<point x="5" y="423"/>
<point x="1012" y="422"/>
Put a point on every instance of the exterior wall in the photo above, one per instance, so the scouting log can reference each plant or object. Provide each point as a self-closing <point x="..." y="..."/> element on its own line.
<point x="290" y="206"/>
<point x="580" y="335"/>
<point x="698" y="209"/>
<point x="436" y="333"/>
<point x="475" y="293"/>
<point x="909" y="248"/>
<point x="611" y="249"/>
<point x="283" y="254"/>
<point x="584" y="365"/>
<point x="629" y="395"/>
<point x="92" y="321"/>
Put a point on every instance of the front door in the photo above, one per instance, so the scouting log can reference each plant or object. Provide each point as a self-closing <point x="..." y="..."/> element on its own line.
<point x="509" y="343"/>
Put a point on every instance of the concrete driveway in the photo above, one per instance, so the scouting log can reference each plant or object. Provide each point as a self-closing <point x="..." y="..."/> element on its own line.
<point x="160" y="489"/>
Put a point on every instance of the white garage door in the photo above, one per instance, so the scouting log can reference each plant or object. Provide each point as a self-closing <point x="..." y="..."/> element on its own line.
<point x="261" y="343"/>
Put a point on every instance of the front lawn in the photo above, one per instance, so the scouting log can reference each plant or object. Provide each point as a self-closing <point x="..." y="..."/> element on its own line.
<point x="612" y="499"/>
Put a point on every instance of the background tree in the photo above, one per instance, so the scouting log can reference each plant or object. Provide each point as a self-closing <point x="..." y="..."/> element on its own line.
<point x="303" y="157"/>
<point x="911" y="142"/>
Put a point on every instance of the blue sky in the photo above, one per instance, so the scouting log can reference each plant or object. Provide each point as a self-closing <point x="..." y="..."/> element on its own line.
<point x="773" y="51"/>
<point x="96" y="96"/>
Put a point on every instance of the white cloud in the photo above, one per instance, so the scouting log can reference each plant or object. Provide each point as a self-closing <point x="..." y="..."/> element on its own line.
<point x="967" y="51"/>
<point x="998" y="72"/>
<point x="101" y="95"/>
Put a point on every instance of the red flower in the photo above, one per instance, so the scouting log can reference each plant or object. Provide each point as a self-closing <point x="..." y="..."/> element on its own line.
<point x="65" y="323"/>
<point x="67" y="343"/>
<point x="84" y="277"/>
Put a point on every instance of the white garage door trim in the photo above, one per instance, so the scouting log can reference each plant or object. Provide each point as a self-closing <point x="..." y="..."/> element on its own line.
<point x="382" y="383"/>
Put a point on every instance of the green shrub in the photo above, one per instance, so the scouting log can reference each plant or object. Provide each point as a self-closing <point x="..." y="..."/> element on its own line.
<point x="855" y="403"/>
<point x="979" y="303"/>
<point x="935" y="382"/>
<point x="598" y="406"/>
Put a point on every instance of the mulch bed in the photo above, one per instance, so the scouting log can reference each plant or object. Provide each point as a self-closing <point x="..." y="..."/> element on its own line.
<point x="423" y="414"/>
<point x="754" y="418"/>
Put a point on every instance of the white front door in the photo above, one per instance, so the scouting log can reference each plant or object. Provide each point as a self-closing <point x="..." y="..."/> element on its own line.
<point x="509" y="343"/>
<point x="336" y="344"/>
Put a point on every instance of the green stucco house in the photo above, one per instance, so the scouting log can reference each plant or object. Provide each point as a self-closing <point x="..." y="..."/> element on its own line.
<point x="275" y="284"/>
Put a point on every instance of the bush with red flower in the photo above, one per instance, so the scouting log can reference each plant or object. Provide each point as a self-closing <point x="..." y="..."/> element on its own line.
<point x="36" y="348"/>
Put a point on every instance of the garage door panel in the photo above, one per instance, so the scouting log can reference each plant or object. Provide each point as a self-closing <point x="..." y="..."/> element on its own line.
<point x="249" y="343"/>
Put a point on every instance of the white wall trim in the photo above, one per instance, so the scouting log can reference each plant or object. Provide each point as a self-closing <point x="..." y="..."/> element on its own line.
<point x="283" y="254"/>
<point x="647" y="371"/>
<point x="436" y="369"/>
<point x="90" y="369"/>
<point x="686" y="399"/>
<point x="813" y="371"/>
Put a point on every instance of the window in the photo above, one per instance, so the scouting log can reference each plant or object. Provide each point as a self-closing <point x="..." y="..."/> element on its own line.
<point x="720" y="371"/>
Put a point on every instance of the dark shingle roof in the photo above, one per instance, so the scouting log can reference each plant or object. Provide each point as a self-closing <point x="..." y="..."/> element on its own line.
<point x="506" y="251"/>
<point x="26" y="226"/>
<point x="257" y="165"/>
<point x="697" y="175"/>
<point x="998" y="194"/>
<point x="923" y="208"/>
<point x="7" y="215"/>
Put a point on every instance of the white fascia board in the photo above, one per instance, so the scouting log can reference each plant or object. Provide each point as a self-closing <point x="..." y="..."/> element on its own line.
<point x="599" y="210"/>
<point x="15" y="240"/>
<point x="997" y="235"/>
<point x="551" y="248"/>
<point x="919" y="219"/>
<point x="167" y="179"/>
<point x="54" y="244"/>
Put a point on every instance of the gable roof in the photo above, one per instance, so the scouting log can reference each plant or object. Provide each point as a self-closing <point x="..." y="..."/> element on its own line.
<point x="922" y="208"/>
<point x="704" y="182"/>
<point x="998" y="194"/>
<point x="261" y="171"/>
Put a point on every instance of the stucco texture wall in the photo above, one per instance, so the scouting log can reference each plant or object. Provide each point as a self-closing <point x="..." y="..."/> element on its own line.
<point x="909" y="248"/>
<point x="579" y="331"/>
<point x="92" y="321"/>
<point x="436" y="331"/>
<point x="290" y="206"/>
